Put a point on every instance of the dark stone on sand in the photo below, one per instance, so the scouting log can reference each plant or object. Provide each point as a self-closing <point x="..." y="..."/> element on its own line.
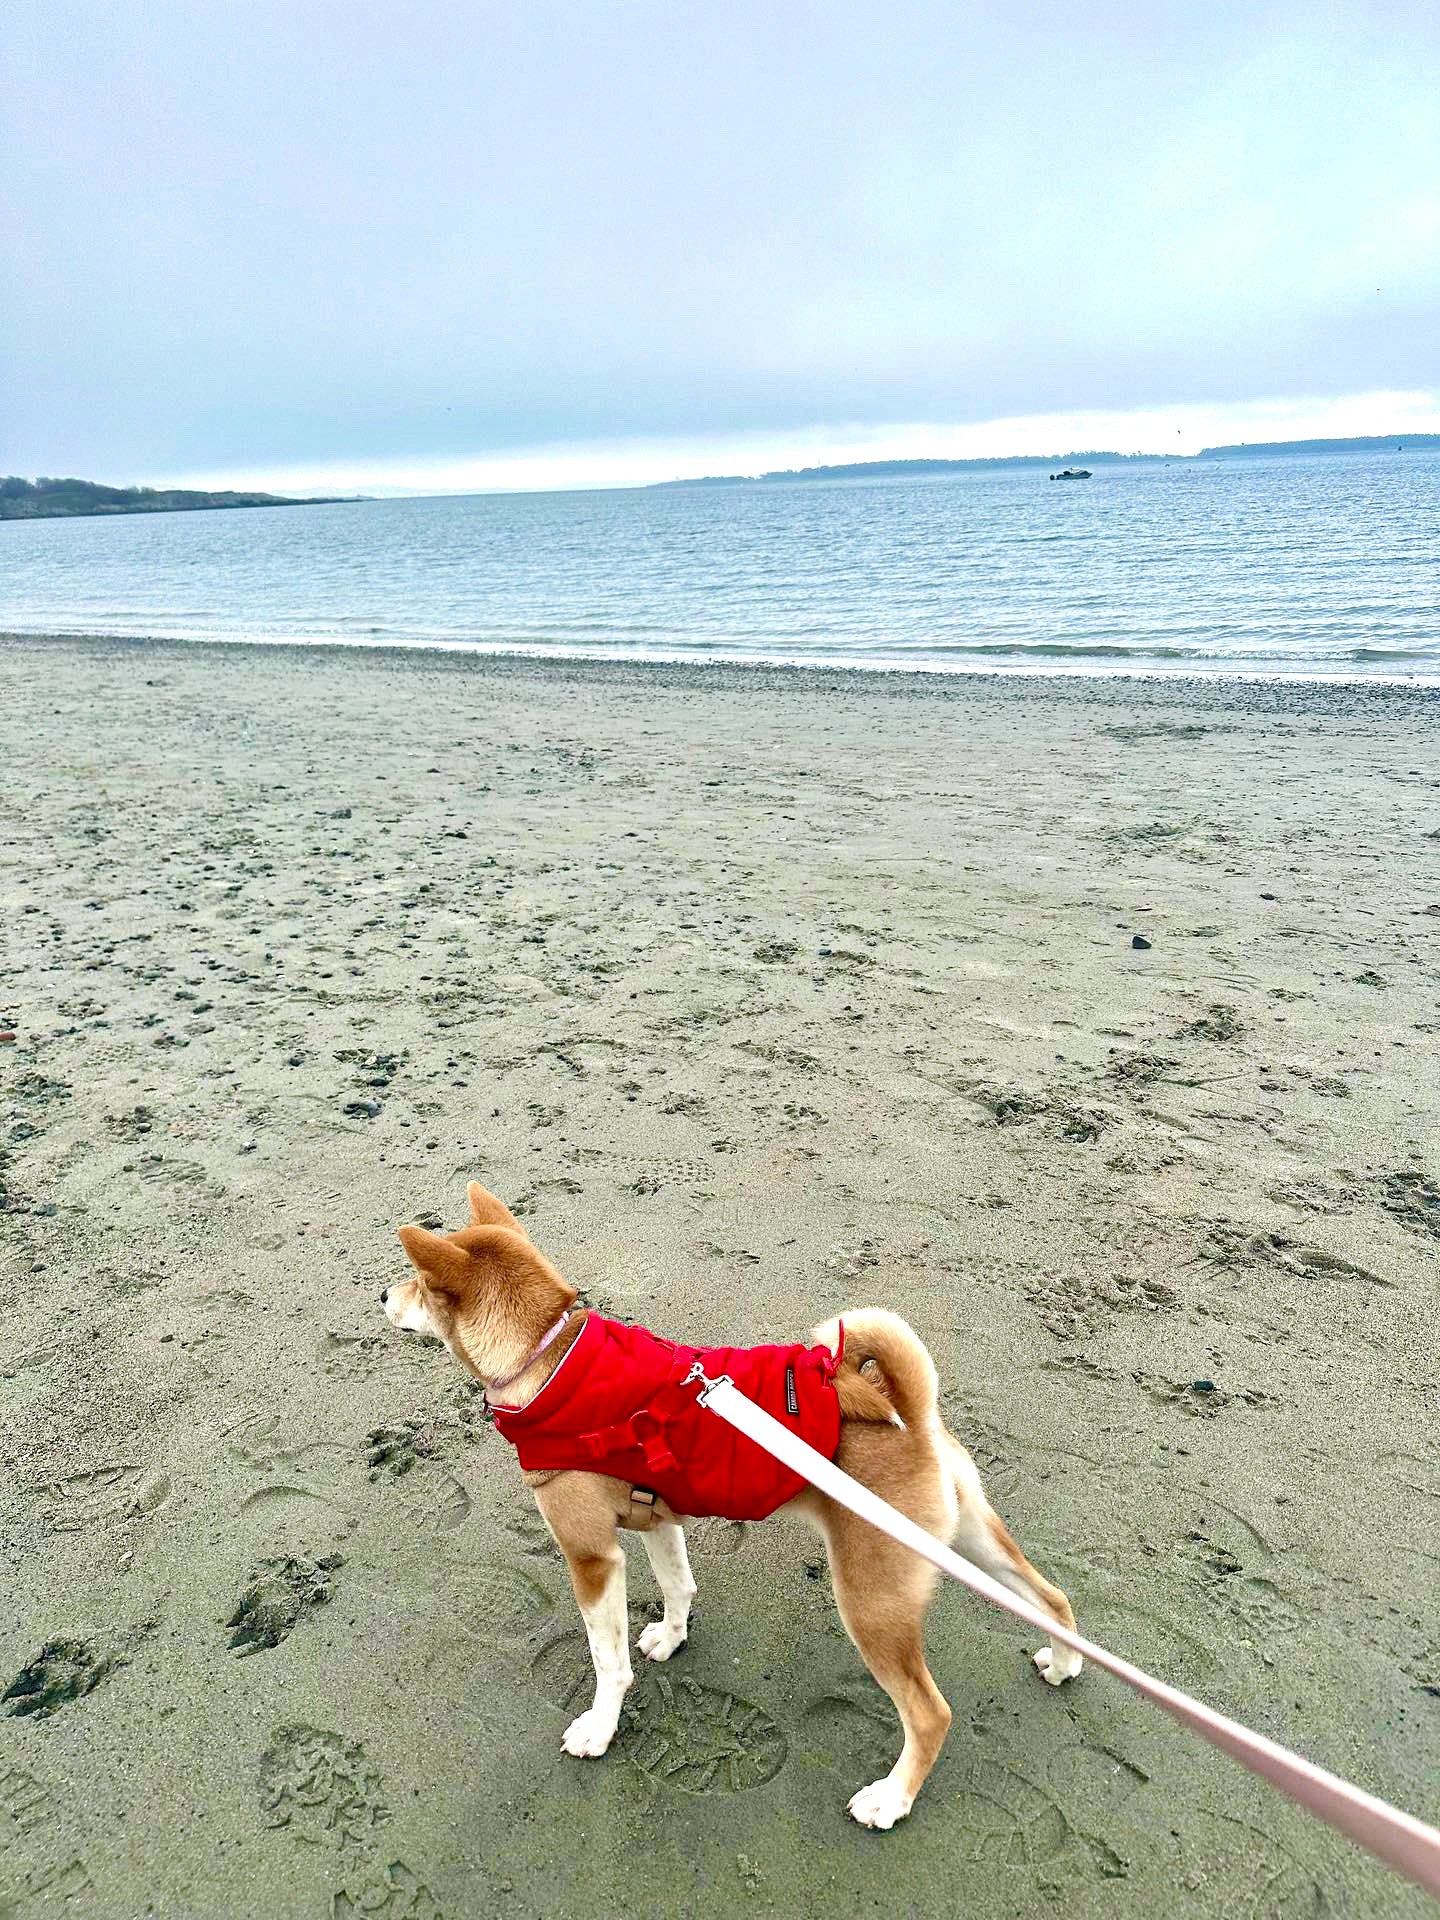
<point x="362" y="1109"/>
<point x="1139" y="940"/>
<point x="1202" y="1386"/>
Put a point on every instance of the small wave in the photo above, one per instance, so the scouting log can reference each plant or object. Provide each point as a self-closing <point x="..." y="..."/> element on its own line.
<point x="1065" y="650"/>
<point x="1427" y="654"/>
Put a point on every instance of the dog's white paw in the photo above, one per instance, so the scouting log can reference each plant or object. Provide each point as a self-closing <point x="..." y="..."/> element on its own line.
<point x="659" y="1640"/>
<point x="589" y="1736"/>
<point x="1058" y="1664"/>
<point x="880" y="1804"/>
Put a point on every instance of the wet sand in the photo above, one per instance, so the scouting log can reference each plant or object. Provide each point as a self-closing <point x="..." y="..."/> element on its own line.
<point x="761" y="994"/>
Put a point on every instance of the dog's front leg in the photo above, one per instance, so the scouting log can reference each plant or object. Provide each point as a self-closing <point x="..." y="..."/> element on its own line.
<point x="599" y="1583"/>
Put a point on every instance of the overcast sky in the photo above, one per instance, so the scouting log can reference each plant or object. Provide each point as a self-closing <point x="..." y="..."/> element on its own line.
<point x="439" y="240"/>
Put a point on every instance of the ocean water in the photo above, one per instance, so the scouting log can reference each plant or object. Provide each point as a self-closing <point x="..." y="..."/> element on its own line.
<point x="1313" y="566"/>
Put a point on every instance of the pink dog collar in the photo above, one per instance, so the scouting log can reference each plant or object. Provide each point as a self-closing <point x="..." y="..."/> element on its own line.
<point x="497" y="1386"/>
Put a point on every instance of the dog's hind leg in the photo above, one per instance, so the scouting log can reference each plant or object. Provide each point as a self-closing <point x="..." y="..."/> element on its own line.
<point x="882" y="1591"/>
<point x="982" y="1536"/>
<point x="665" y="1546"/>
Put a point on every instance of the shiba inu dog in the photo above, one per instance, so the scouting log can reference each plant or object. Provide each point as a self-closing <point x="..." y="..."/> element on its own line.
<point x="610" y="1439"/>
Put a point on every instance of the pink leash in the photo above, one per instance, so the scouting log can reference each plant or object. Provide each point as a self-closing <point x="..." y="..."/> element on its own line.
<point x="1399" y="1839"/>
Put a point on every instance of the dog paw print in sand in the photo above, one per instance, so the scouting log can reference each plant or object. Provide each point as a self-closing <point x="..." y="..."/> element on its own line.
<point x="849" y="1263"/>
<point x="96" y="1496"/>
<point x="1012" y="1106"/>
<point x="63" y="1671"/>
<point x="319" y="1785"/>
<point x="527" y="1203"/>
<point x="776" y="953"/>
<point x="1076" y="1306"/>
<point x="280" y="1594"/>
<point x="1232" y="1584"/>
<point x="394" y="1892"/>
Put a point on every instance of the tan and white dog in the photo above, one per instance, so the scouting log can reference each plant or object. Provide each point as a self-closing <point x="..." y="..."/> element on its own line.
<point x="495" y="1301"/>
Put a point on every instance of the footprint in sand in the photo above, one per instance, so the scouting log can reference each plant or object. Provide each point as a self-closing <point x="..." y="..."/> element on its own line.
<point x="495" y="1603"/>
<point x="28" y="1832"/>
<point x="96" y="1496"/>
<point x="319" y="1785"/>
<point x="394" y="1892"/>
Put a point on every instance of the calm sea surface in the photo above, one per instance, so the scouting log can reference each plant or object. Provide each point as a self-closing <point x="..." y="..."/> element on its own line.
<point x="1318" y="565"/>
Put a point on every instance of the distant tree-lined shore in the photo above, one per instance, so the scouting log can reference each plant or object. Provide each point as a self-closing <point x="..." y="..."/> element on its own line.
<point x="909" y="469"/>
<point x="46" y="499"/>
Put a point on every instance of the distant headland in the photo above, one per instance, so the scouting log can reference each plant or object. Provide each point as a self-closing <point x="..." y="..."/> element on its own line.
<point x="1091" y="457"/>
<point x="64" y="499"/>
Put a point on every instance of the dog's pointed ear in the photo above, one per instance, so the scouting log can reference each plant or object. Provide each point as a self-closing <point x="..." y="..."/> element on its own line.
<point x="513" y="1268"/>
<point x="487" y="1211"/>
<point x="441" y="1263"/>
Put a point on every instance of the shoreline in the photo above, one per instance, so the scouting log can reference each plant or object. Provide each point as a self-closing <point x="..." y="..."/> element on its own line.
<point x="866" y="672"/>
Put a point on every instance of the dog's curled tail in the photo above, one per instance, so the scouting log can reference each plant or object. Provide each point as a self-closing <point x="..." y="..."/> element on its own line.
<point x="881" y="1342"/>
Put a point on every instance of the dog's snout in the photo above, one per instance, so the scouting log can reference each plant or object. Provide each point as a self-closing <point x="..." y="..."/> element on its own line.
<point x="384" y="1295"/>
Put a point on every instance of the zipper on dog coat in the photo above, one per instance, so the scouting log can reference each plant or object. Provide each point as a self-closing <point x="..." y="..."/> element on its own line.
<point x="616" y="1405"/>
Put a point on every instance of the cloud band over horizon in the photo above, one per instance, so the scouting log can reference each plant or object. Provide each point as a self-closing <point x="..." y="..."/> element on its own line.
<point x="641" y="462"/>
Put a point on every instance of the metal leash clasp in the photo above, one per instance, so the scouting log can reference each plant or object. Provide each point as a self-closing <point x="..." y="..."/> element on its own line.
<point x="697" y="1372"/>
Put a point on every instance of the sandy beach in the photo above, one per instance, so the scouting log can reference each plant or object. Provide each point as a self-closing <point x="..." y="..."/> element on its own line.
<point x="1091" y="1024"/>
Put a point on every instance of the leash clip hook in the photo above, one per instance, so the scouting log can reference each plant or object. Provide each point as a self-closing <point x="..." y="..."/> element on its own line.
<point x="697" y="1372"/>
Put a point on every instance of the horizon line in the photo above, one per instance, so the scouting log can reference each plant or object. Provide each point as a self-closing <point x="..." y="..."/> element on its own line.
<point x="641" y="461"/>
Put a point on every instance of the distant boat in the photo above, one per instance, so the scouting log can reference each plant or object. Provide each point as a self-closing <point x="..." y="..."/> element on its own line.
<point x="1072" y="473"/>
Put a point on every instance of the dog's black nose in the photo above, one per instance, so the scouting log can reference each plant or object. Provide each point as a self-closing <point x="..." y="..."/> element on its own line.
<point x="384" y="1295"/>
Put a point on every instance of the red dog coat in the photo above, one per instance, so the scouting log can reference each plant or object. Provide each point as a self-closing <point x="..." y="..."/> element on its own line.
<point x="616" y="1405"/>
